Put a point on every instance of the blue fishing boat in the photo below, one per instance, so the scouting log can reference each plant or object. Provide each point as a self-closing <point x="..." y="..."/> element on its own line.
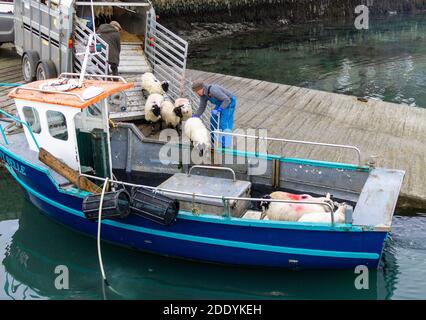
<point x="89" y="175"/>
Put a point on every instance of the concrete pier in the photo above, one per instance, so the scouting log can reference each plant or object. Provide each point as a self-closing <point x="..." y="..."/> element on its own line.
<point x="395" y="133"/>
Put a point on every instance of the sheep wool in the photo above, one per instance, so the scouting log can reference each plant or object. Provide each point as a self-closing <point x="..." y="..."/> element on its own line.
<point x="281" y="211"/>
<point x="153" y="107"/>
<point x="185" y="106"/>
<point x="197" y="132"/>
<point x="151" y="85"/>
<point x="168" y="115"/>
<point x="325" y="217"/>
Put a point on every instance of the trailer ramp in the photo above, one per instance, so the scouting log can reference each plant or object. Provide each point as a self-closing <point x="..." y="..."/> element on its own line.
<point x="133" y="63"/>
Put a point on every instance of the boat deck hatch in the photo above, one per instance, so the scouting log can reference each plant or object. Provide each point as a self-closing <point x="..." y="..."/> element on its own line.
<point x="208" y="186"/>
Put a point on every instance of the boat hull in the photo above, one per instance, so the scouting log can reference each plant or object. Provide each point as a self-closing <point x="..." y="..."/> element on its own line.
<point x="207" y="238"/>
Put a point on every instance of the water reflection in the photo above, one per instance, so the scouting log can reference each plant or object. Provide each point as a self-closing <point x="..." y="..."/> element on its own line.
<point x="386" y="62"/>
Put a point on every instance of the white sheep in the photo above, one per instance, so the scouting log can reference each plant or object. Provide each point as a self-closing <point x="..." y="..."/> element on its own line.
<point x="282" y="211"/>
<point x="170" y="114"/>
<point x="151" y="85"/>
<point x="197" y="132"/>
<point x="185" y="106"/>
<point x="153" y="107"/>
<point x="325" y="217"/>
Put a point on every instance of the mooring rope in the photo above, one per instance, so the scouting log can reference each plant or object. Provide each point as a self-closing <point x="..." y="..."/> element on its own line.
<point x="101" y="265"/>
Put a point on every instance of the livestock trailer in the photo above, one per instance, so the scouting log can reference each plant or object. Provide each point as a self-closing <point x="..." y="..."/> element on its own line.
<point x="49" y="34"/>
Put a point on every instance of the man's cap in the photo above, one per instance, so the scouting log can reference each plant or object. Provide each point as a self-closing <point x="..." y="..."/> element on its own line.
<point x="115" y="24"/>
<point x="198" y="84"/>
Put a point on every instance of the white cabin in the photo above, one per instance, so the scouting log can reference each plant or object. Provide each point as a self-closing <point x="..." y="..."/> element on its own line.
<point x="70" y="122"/>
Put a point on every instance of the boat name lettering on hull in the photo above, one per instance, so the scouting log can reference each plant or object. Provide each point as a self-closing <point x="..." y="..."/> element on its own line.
<point x="16" y="166"/>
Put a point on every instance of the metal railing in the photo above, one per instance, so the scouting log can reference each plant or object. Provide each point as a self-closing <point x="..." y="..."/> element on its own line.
<point x="167" y="54"/>
<point x="224" y="199"/>
<point x="97" y="64"/>
<point x="284" y="141"/>
<point x="30" y="130"/>
<point x="213" y="168"/>
<point x="49" y="91"/>
<point x="70" y="75"/>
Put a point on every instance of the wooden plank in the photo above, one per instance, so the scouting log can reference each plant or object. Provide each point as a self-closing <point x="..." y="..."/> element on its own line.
<point x="65" y="171"/>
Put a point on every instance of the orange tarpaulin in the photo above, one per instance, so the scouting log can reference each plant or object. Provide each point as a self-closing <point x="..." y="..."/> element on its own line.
<point x="65" y="99"/>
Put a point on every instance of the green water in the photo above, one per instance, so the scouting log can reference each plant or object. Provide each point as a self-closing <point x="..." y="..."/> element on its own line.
<point x="31" y="246"/>
<point x="386" y="62"/>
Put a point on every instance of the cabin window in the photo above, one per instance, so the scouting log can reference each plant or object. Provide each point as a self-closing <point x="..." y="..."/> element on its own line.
<point x="32" y="118"/>
<point x="57" y="125"/>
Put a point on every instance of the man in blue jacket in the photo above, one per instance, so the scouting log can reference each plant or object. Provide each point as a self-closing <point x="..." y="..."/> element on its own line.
<point x="224" y="102"/>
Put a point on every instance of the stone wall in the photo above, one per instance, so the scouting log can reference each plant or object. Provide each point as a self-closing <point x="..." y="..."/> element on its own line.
<point x="265" y="10"/>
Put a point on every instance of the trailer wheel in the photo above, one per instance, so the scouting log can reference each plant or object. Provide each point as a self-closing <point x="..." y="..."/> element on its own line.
<point x="29" y="65"/>
<point x="46" y="70"/>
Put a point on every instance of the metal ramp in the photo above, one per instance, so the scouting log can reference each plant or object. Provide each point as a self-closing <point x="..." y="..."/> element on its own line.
<point x="132" y="59"/>
<point x="133" y="64"/>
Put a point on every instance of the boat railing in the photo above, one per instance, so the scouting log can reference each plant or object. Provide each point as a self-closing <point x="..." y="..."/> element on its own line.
<point x="284" y="141"/>
<point x="68" y="75"/>
<point x="49" y="91"/>
<point x="16" y="120"/>
<point x="225" y="199"/>
<point x="71" y="75"/>
<point x="234" y="177"/>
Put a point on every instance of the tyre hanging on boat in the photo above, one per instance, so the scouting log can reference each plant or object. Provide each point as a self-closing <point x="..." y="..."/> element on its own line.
<point x="116" y="204"/>
<point x="154" y="206"/>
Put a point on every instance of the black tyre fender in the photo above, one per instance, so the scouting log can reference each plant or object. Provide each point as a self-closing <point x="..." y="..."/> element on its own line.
<point x="29" y="61"/>
<point x="46" y="70"/>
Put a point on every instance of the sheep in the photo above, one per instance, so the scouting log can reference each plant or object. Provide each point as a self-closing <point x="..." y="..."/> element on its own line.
<point x="339" y="216"/>
<point x="153" y="107"/>
<point x="185" y="106"/>
<point x="170" y="114"/>
<point x="197" y="132"/>
<point x="150" y="85"/>
<point x="283" y="211"/>
<point x="280" y="195"/>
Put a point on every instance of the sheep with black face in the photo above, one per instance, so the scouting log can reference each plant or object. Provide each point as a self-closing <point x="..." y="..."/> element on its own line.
<point x="153" y="107"/>
<point x="151" y="85"/>
<point x="171" y="114"/>
<point x="185" y="108"/>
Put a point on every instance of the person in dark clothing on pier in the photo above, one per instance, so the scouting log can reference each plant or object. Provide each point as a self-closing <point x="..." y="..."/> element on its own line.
<point x="225" y="103"/>
<point x="110" y="33"/>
